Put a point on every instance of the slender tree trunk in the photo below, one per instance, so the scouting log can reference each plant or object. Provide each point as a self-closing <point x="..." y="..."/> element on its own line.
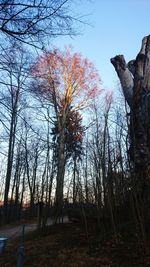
<point x="60" y="173"/>
<point x="74" y="181"/>
<point x="86" y="176"/>
<point x="9" y="165"/>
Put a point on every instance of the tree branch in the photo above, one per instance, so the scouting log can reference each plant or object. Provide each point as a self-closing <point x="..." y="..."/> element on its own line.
<point x="125" y="77"/>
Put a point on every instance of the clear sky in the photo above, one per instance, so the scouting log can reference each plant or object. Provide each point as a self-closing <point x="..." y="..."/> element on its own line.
<point x="117" y="27"/>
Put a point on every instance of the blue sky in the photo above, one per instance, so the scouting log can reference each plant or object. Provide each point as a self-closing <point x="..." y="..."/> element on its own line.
<point x="117" y="27"/>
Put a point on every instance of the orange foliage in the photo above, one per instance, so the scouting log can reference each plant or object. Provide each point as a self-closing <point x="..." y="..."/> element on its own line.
<point x="74" y="79"/>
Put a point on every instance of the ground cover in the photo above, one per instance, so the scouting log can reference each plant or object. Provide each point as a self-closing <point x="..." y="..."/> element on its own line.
<point x="68" y="245"/>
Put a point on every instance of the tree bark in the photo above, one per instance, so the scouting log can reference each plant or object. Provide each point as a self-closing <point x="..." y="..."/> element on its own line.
<point x="60" y="174"/>
<point x="12" y="135"/>
<point x="135" y="81"/>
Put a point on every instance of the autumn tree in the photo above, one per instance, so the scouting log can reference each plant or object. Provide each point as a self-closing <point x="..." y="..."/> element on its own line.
<point x="70" y="82"/>
<point x="74" y="132"/>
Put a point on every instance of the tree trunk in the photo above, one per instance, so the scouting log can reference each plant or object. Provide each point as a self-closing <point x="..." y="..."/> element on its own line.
<point x="9" y="164"/>
<point x="74" y="180"/>
<point x="60" y="174"/>
<point x="135" y="81"/>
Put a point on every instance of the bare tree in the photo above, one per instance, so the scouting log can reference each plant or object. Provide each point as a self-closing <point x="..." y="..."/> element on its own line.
<point x="30" y="22"/>
<point x="12" y="82"/>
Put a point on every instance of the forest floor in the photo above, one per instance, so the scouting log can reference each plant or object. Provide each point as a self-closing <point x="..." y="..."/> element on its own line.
<point x="68" y="245"/>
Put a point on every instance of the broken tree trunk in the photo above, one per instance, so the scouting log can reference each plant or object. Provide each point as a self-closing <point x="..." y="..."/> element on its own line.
<point x="135" y="81"/>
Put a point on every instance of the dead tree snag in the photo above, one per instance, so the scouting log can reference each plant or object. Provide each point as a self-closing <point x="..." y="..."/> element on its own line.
<point x="135" y="81"/>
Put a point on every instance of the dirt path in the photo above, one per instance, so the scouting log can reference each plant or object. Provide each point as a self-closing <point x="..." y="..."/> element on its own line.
<point x="12" y="232"/>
